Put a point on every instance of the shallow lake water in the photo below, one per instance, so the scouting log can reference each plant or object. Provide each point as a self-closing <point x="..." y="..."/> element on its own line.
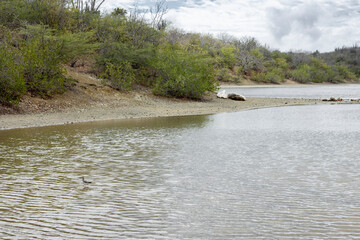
<point x="345" y="91"/>
<point x="275" y="173"/>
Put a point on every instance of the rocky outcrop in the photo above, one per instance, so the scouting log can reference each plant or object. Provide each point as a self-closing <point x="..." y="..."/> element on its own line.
<point x="236" y="97"/>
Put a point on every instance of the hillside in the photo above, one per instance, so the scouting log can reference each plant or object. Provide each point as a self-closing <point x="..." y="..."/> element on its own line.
<point x="131" y="52"/>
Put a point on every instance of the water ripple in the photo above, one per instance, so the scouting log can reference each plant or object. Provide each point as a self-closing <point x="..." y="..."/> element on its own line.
<point x="186" y="178"/>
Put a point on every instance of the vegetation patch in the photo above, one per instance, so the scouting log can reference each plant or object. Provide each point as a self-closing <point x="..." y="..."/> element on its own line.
<point x="12" y="83"/>
<point x="181" y="74"/>
<point x="120" y="77"/>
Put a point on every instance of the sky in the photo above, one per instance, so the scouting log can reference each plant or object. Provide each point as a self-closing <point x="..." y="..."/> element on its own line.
<point x="286" y="25"/>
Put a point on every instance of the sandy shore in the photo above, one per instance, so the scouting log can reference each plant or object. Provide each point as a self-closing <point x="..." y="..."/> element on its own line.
<point x="89" y="100"/>
<point x="140" y="106"/>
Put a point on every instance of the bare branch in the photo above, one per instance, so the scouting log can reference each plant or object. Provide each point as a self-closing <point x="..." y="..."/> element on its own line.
<point x="157" y="14"/>
<point x="99" y="5"/>
<point x="90" y="5"/>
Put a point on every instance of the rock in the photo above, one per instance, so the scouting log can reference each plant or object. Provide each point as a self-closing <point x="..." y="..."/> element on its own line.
<point x="231" y="96"/>
<point x="236" y="97"/>
<point x="222" y="94"/>
<point x="332" y="99"/>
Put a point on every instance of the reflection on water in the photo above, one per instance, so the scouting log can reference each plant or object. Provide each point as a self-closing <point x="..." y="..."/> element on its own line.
<point x="346" y="91"/>
<point x="277" y="173"/>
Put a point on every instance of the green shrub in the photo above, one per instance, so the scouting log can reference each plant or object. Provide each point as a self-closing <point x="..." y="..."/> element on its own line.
<point x="259" y="77"/>
<point x="67" y="45"/>
<point x="228" y="56"/>
<point x="12" y="12"/>
<point x="74" y="45"/>
<point x="302" y="74"/>
<point x="117" y="53"/>
<point x="274" y="76"/>
<point x="257" y="54"/>
<point x="53" y="13"/>
<point x="238" y="71"/>
<point x="281" y="63"/>
<point x="181" y="74"/>
<point x="321" y="72"/>
<point x="82" y="21"/>
<point x="12" y="84"/>
<point x="111" y="29"/>
<point x="344" y="72"/>
<point x="320" y="75"/>
<point x="120" y="76"/>
<point x="223" y="74"/>
<point x="141" y="33"/>
<point x="227" y="75"/>
<point x="43" y="72"/>
<point x="5" y="34"/>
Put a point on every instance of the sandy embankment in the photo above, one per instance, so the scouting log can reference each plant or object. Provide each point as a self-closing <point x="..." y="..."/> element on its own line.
<point x="89" y="101"/>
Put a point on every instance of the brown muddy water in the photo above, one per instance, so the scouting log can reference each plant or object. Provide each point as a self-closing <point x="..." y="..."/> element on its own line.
<point x="275" y="173"/>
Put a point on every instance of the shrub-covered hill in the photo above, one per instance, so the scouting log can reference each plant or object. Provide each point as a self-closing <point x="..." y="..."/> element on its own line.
<point x="39" y="37"/>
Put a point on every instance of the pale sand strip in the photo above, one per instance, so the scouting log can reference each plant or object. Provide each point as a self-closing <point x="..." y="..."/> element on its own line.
<point x="141" y="107"/>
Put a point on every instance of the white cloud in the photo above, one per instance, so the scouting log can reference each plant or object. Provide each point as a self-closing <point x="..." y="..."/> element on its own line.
<point x="216" y="17"/>
<point x="282" y="24"/>
<point x="108" y="5"/>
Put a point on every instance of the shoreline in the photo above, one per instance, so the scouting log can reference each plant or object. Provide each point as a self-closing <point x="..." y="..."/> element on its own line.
<point x="139" y="105"/>
<point x="89" y="100"/>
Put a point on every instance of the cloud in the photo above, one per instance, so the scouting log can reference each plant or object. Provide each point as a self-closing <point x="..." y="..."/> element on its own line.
<point x="281" y="24"/>
<point x="234" y="17"/>
<point x="109" y="5"/>
<point x="302" y="19"/>
<point x="317" y="25"/>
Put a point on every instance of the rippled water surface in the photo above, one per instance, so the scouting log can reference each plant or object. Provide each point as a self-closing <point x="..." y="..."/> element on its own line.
<point x="346" y="91"/>
<point x="276" y="173"/>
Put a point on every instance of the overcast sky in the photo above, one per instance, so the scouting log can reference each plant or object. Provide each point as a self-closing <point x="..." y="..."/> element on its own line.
<point x="281" y="24"/>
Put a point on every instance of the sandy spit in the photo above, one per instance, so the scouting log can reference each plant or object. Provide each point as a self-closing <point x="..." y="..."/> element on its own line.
<point x="90" y="100"/>
<point x="139" y="105"/>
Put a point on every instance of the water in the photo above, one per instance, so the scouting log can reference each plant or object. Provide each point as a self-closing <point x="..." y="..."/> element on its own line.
<point x="346" y="91"/>
<point x="275" y="173"/>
